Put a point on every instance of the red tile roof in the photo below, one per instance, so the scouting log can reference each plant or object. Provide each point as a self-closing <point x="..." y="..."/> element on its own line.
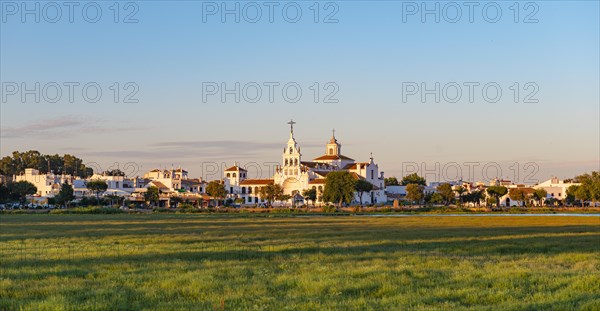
<point x="333" y="157"/>
<point x="235" y="169"/>
<point x="353" y="166"/>
<point x="317" y="181"/>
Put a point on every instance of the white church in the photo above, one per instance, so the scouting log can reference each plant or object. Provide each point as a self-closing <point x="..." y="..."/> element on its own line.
<point x="295" y="175"/>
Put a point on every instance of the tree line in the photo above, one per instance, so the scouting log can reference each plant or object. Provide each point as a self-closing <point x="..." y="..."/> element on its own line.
<point x="65" y="164"/>
<point x="588" y="191"/>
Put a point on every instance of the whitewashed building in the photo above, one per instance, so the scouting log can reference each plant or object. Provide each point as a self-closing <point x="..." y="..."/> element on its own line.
<point x="295" y="174"/>
<point x="47" y="185"/>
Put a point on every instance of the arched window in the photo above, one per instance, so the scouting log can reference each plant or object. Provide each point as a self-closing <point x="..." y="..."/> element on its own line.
<point x="233" y="175"/>
<point x="243" y="190"/>
<point x="286" y="162"/>
<point x="291" y="150"/>
<point x="228" y="175"/>
<point x="249" y="189"/>
<point x="330" y="150"/>
<point x="296" y="162"/>
<point x="320" y="188"/>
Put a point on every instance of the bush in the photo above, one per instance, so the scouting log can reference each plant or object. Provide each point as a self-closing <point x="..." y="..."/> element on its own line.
<point x="162" y="210"/>
<point x="386" y="209"/>
<point x="88" y="210"/>
<point x="329" y="209"/>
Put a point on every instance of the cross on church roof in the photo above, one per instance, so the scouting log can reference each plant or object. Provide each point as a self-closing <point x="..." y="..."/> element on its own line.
<point x="291" y="123"/>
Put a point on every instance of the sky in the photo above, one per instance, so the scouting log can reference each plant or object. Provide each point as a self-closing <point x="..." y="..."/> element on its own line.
<point x="471" y="91"/>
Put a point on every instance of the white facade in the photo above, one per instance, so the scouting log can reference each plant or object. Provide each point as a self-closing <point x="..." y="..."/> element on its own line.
<point x="176" y="180"/>
<point x="46" y="184"/>
<point x="555" y="188"/>
<point x="295" y="175"/>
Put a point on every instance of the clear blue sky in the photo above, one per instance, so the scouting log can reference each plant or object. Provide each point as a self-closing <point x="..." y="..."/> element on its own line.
<point x="369" y="53"/>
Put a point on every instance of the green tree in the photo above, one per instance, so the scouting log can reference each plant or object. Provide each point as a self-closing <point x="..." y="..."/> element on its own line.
<point x="339" y="187"/>
<point x="361" y="186"/>
<point x="460" y="190"/>
<point x="433" y="198"/>
<point x="4" y="193"/>
<point x="589" y="189"/>
<point x="65" y="195"/>
<point x="21" y="189"/>
<point x="477" y="197"/>
<point x="517" y="194"/>
<point x="391" y="181"/>
<point x="414" y="193"/>
<point x="578" y="192"/>
<point x="97" y="186"/>
<point x="66" y="164"/>
<point x="152" y="195"/>
<point x="271" y="193"/>
<point x="175" y="201"/>
<point x="310" y="194"/>
<point x="115" y="172"/>
<point x="540" y="195"/>
<point x="496" y="192"/>
<point x="413" y="179"/>
<point x="216" y="190"/>
<point x="445" y="190"/>
<point x="284" y="198"/>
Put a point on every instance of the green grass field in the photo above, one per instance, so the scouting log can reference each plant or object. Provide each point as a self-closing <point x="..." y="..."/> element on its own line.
<point x="212" y="262"/>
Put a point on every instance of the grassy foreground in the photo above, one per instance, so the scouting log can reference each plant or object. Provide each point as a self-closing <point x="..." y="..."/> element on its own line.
<point x="211" y="262"/>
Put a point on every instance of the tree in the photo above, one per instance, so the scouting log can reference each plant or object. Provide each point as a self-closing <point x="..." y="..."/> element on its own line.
<point x="152" y="195"/>
<point x="310" y="194"/>
<point x="476" y="197"/>
<point x="413" y="179"/>
<point x="577" y="192"/>
<point x="433" y="198"/>
<point x="21" y="189"/>
<point x="496" y="192"/>
<point x="391" y="181"/>
<point x="339" y="187"/>
<point x="540" y="195"/>
<point x="445" y="190"/>
<point x="460" y="190"/>
<point x="414" y="193"/>
<point x="216" y="190"/>
<point x="589" y="189"/>
<point x="271" y="193"/>
<point x="361" y="186"/>
<point x="4" y="193"/>
<point x="175" y="201"/>
<point x="97" y="186"/>
<point x="65" y="195"/>
<point x="115" y="172"/>
<point x="66" y="164"/>
<point x="551" y="201"/>
<point x="284" y="197"/>
<point x="517" y="194"/>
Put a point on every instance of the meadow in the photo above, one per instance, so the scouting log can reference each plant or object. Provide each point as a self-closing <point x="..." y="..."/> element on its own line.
<point x="235" y="262"/>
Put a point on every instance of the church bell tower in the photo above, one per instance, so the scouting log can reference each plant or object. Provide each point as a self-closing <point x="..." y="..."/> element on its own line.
<point x="291" y="156"/>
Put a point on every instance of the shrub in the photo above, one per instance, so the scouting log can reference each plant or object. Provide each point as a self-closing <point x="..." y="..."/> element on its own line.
<point x="329" y="209"/>
<point x="386" y="209"/>
<point x="88" y="210"/>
